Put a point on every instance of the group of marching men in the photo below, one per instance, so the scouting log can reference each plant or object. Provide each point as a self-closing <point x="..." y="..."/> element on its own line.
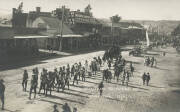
<point x="122" y="70"/>
<point x="60" y="79"/>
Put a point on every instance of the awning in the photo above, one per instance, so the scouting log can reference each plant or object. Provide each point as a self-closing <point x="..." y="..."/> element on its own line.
<point x="28" y="37"/>
<point x="66" y="36"/>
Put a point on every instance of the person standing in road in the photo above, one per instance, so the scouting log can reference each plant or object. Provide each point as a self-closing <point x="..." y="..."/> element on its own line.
<point x="25" y="80"/>
<point x="144" y="78"/>
<point x="2" y="90"/>
<point x="124" y="76"/>
<point x="33" y="86"/>
<point x="101" y="86"/>
<point x="164" y="53"/>
<point x="127" y="77"/>
<point x="131" y="68"/>
<point x="148" y="78"/>
<point x="155" y="62"/>
<point x="152" y="61"/>
<point x="76" y="77"/>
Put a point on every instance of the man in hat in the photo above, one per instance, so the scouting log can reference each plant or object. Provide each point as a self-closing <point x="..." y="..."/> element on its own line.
<point x="2" y="90"/>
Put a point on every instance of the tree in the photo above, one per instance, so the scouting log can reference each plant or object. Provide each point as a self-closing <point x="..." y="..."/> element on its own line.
<point x="115" y="19"/>
<point x="87" y="10"/>
<point x="176" y="31"/>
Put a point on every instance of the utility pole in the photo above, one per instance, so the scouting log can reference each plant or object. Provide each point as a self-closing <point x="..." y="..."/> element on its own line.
<point x="61" y="29"/>
<point x="112" y="33"/>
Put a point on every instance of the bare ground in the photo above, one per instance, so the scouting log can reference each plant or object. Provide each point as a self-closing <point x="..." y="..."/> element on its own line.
<point x="163" y="94"/>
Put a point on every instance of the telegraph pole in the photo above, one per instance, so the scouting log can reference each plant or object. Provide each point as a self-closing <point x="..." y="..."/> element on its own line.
<point x="61" y="29"/>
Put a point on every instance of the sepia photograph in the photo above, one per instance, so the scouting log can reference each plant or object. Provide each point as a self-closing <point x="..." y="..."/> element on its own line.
<point x="89" y="55"/>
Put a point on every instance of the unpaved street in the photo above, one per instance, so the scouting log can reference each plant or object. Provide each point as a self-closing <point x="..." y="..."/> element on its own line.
<point x="162" y="95"/>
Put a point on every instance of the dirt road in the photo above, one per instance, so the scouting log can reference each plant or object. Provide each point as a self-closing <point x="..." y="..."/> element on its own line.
<point x="163" y="94"/>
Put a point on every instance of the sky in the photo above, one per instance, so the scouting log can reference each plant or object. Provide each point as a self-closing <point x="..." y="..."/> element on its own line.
<point x="127" y="9"/>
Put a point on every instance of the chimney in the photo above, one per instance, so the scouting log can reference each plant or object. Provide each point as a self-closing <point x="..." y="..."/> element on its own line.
<point x="38" y="9"/>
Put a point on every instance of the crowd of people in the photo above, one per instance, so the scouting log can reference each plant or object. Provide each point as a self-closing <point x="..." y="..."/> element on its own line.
<point x="150" y="61"/>
<point x="59" y="79"/>
<point x="111" y="65"/>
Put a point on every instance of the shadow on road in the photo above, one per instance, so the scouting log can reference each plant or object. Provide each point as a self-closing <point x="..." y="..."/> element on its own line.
<point x="174" y="84"/>
<point x="95" y="78"/>
<point x="92" y="82"/>
<point x="161" y="68"/>
<point x="50" y="102"/>
<point x="115" y="99"/>
<point x="78" y="86"/>
<point x="137" y="87"/>
<point x="75" y="94"/>
<point x="70" y="100"/>
<point x="79" y="92"/>
<point x="155" y="86"/>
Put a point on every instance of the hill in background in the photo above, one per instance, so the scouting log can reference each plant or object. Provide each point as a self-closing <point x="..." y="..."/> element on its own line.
<point x="162" y="26"/>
